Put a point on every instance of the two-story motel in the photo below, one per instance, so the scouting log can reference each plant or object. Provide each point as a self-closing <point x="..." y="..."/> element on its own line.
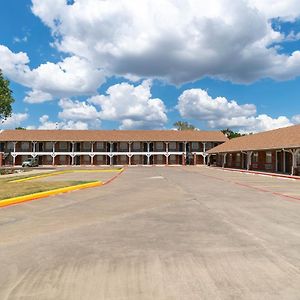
<point x="108" y="147"/>
<point x="272" y="151"/>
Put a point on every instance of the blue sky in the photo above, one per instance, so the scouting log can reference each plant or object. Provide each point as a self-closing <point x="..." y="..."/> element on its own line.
<point x="131" y="65"/>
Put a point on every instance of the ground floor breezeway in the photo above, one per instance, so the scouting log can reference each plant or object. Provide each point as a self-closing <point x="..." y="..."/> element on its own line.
<point x="286" y="161"/>
<point x="108" y="159"/>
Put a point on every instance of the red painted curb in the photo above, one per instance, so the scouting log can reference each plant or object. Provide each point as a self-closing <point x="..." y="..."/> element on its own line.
<point x="113" y="178"/>
<point x="260" y="173"/>
<point x="254" y="188"/>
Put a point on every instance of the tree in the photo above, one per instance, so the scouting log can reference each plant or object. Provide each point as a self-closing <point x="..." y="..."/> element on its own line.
<point x="6" y="99"/>
<point x="231" y="134"/>
<point x="181" y="125"/>
<point x="20" y="128"/>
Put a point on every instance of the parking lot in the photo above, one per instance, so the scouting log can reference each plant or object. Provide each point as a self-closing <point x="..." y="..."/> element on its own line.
<point x="157" y="233"/>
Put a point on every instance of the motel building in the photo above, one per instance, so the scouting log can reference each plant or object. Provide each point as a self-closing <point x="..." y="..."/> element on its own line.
<point x="108" y="147"/>
<point x="270" y="151"/>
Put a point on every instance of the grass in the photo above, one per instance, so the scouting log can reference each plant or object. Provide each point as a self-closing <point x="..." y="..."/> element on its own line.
<point x="14" y="189"/>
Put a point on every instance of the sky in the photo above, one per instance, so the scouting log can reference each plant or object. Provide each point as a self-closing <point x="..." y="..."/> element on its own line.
<point x="131" y="64"/>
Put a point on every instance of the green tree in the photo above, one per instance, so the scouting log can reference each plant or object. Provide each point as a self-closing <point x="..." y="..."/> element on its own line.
<point x="6" y="99"/>
<point x="20" y="128"/>
<point x="181" y="125"/>
<point x="231" y="134"/>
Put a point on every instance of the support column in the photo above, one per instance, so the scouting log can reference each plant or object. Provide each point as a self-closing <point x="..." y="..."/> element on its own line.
<point x="167" y="159"/>
<point x="294" y="159"/>
<point x="129" y="156"/>
<point x="249" y="158"/>
<point x="34" y="147"/>
<point x="92" y="147"/>
<point x="53" y="159"/>
<point x="14" y="156"/>
<point x="195" y="159"/>
<point x="53" y="153"/>
<point x="283" y="163"/>
<point x="148" y="153"/>
<point x="224" y="160"/>
<point x="204" y="147"/>
<point x="1" y="159"/>
<point x="167" y="153"/>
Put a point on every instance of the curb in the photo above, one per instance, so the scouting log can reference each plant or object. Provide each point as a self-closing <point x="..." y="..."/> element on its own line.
<point x="65" y="172"/>
<point x="260" y="173"/>
<point x="113" y="178"/>
<point x="35" y="196"/>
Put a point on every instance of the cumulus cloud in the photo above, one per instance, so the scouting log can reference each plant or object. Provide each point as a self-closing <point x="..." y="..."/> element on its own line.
<point x="45" y="123"/>
<point x="36" y="96"/>
<point x="258" y="123"/>
<point x="132" y="105"/>
<point x="222" y="113"/>
<point x="287" y="10"/>
<point x="77" y="110"/>
<point x="72" y="76"/>
<point x="15" y="120"/>
<point x="177" y="41"/>
<point x="196" y="103"/>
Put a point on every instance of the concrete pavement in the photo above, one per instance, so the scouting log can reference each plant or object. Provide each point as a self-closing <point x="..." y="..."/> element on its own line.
<point x="156" y="233"/>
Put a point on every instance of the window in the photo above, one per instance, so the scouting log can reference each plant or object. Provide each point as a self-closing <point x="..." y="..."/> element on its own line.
<point x="172" y="146"/>
<point x="268" y="157"/>
<point x="136" y="146"/>
<point x="208" y="145"/>
<point x="195" y="145"/>
<point x="25" y="145"/>
<point x="63" y="145"/>
<point x="123" y="146"/>
<point x="48" y="146"/>
<point x="86" y="146"/>
<point x="10" y="146"/>
<point x="238" y="157"/>
<point x="99" y="145"/>
<point x="255" y="157"/>
<point x="159" y="145"/>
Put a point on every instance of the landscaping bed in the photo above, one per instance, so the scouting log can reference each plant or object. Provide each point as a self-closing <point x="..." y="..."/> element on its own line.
<point x="13" y="189"/>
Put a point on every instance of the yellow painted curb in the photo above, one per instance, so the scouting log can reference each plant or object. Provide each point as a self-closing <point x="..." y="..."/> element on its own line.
<point x="36" y="177"/>
<point x="45" y="194"/>
<point x="65" y="172"/>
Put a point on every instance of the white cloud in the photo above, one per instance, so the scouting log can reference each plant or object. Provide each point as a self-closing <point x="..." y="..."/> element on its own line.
<point x="15" y="120"/>
<point x="36" y="96"/>
<point x="222" y="113"/>
<point x="45" y="123"/>
<point x="258" y="123"/>
<point x="288" y="10"/>
<point x="177" y="41"/>
<point x="70" y="77"/>
<point x="78" y="110"/>
<point x="296" y="119"/>
<point x="196" y="103"/>
<point x="132" y="105"/>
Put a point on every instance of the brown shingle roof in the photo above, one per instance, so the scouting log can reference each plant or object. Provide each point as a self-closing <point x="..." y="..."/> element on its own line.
<point x="111" y="135"/>
<point x="288" y="137"/>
